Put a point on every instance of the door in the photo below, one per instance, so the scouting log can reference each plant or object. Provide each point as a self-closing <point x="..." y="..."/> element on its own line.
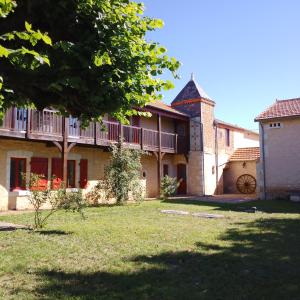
<point x="181" y="177"/>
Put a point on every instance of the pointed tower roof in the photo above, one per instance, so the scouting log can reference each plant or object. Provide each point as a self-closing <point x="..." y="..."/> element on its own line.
<point x="192" y="90"/>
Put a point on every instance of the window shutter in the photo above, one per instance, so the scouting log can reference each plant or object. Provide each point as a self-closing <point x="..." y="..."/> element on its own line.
<point x="57" y="173"/>
<point x="83" y="173"/>
<point x="39" y="165"/>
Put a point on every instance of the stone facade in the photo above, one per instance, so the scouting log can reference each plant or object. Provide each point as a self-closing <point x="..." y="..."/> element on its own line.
<point x="234" y="170"/>
<point x="212" y="142"/>
<point x="282" y="158"/>
<point x="97" y="160"/>
<point x="210" y="145"/>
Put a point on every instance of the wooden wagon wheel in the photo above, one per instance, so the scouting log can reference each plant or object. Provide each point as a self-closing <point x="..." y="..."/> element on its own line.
<point x="246" y="184"/>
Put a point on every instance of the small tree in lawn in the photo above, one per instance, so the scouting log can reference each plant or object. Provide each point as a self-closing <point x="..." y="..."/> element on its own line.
<point x="57" y="200"/>
<point x="122" y="175"/>
<point x="168" y="186"/>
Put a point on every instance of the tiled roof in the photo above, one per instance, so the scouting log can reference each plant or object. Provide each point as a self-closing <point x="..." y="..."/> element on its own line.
<point x="226" y="124"/>
<point x="244" y="154"/>
<point x="281" y="109"/>
<point x="162" y="106"/>
<point x="191" y="91"/>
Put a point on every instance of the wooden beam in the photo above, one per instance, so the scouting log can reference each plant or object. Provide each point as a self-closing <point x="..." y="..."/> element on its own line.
<point x="58" y="145"/>
<point x="64" y="151"/>
<point x="142" y="138"/>
<point x="70" y="147"/>
<point x="28" y="120"/>
<point x="159" y="158"/>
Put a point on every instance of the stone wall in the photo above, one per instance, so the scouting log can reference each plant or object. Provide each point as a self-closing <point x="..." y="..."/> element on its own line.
<point x="282" y="158"/>
<point x="97" y="160"/>
<point x="234" y="170"/>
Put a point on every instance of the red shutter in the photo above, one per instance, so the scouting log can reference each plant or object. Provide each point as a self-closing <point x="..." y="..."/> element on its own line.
<point x="83" y="173"/>
<point x="39" y="165"/>
<point x="56" y="173"/>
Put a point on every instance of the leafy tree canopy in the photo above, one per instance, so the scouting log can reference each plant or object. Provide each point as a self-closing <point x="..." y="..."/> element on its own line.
<point x="97" y="60"/>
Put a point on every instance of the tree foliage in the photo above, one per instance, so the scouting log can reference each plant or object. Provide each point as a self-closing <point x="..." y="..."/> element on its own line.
<point x="100" y="61"/>
<point x="168" y="186"/>
<point x="123" y="175"/>
<point x="54" y="200"/>
<point x="21" y="54"/>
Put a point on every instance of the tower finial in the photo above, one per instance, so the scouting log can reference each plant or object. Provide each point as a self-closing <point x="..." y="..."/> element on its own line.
<point x="192" y="76"/>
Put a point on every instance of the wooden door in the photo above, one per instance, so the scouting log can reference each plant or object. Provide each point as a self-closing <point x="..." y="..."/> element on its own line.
<point x="181" y="177"/>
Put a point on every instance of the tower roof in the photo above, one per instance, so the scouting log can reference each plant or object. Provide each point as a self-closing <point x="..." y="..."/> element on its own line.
<point x="192" y="90"/>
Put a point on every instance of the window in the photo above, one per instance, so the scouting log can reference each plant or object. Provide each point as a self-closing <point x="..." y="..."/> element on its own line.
<point x="71" y="174"/>
<point x="275" y="125"/>
<point x="166" y="170"/>
<point x="83" y="173"/>
<point x="39" y="165"/>
<point x="17" y="169"/>
<point x="227" y="137"/>
<point x="58" y="174"/>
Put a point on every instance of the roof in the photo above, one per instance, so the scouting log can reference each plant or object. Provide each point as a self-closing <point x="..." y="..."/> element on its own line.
<point x="245" y="154"/>
<point x="281" y="109"/>
<point x="162" y="106"/>
<point x="226" y="124"/>
<point x="191" y="91"/>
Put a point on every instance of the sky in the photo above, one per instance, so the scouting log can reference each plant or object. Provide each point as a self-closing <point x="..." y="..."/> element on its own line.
<point x="244" y="54"/>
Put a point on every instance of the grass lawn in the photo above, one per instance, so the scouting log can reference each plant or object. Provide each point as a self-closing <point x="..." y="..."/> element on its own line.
<point x="136" y="252"/>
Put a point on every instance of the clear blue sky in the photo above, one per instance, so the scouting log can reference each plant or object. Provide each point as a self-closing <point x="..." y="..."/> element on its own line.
<point x="245" y="54"/>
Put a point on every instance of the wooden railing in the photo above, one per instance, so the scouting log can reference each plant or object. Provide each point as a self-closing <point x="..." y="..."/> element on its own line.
<point x="45" y="122"/>
<point x="49" y="125"/>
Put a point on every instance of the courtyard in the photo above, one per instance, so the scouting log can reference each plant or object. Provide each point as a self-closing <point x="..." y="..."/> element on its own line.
<point x="137" y="252"/>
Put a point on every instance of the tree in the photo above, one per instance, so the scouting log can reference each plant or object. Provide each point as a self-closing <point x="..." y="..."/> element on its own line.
<point x="123" y="175"/>
<point x="100" y="61"/>
<point x="60" y="199"/>
<point x="22" y="56"/>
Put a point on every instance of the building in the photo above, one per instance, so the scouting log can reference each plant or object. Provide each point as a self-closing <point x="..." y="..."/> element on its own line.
<point x="184" y="140"/>
<point x="279" y="168"/>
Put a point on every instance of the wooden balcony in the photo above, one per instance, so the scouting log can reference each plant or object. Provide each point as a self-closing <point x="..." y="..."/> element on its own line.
<point x="47" y="125"/>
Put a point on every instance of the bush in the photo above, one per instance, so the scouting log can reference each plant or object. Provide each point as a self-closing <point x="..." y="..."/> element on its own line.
<point x="123" y="175"/>
<point x="168" y="186"/>
<point x="58" y="199"/>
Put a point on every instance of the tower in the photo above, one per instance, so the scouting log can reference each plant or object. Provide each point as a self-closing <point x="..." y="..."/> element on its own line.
<point x="193" y="101"/>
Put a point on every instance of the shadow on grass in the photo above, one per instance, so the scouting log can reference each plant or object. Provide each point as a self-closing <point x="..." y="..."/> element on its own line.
<point x="53" y="232"/>
<point x="269" y="206"/>
<point x="258" y="260"/>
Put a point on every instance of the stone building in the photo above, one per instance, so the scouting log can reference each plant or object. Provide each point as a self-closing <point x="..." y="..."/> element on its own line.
<point x="183" y="140"/>
<point x="279" y="169"/>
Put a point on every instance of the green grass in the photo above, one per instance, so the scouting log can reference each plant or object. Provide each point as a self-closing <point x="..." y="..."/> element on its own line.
<point x="136" y="252"/>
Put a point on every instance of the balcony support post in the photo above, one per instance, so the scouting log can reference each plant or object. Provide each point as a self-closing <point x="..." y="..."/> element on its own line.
<point x="142" y="138"/>
<point x="64" y="152"/>
<point x="28" y="119"/>
<point x="159" y="154"/>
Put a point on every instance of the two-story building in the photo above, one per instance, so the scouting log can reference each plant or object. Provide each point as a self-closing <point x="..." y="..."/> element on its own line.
<point x="183" y="140"/>
<point x="279" y="168"/>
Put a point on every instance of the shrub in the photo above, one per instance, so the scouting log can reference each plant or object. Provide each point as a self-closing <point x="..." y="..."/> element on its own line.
<point x="168" y="186"/>
<point x="122" y="175"/>
<point x="58" y="199"/>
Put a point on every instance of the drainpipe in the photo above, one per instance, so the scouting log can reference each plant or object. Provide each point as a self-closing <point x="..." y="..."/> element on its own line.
<point x="202" y="149"/>
<point x="216" y="157"/>
<point x="263" y="160"/>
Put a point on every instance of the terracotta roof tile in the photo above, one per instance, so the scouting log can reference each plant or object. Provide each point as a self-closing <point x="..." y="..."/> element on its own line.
<point x="162" y="106"/>
<point x="281" y="109"/>
<point x="245" y="154"/>
<point x="226" y="124"/>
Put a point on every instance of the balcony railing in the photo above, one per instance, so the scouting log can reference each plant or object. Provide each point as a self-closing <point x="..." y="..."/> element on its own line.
<point x="48" y="125"/>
